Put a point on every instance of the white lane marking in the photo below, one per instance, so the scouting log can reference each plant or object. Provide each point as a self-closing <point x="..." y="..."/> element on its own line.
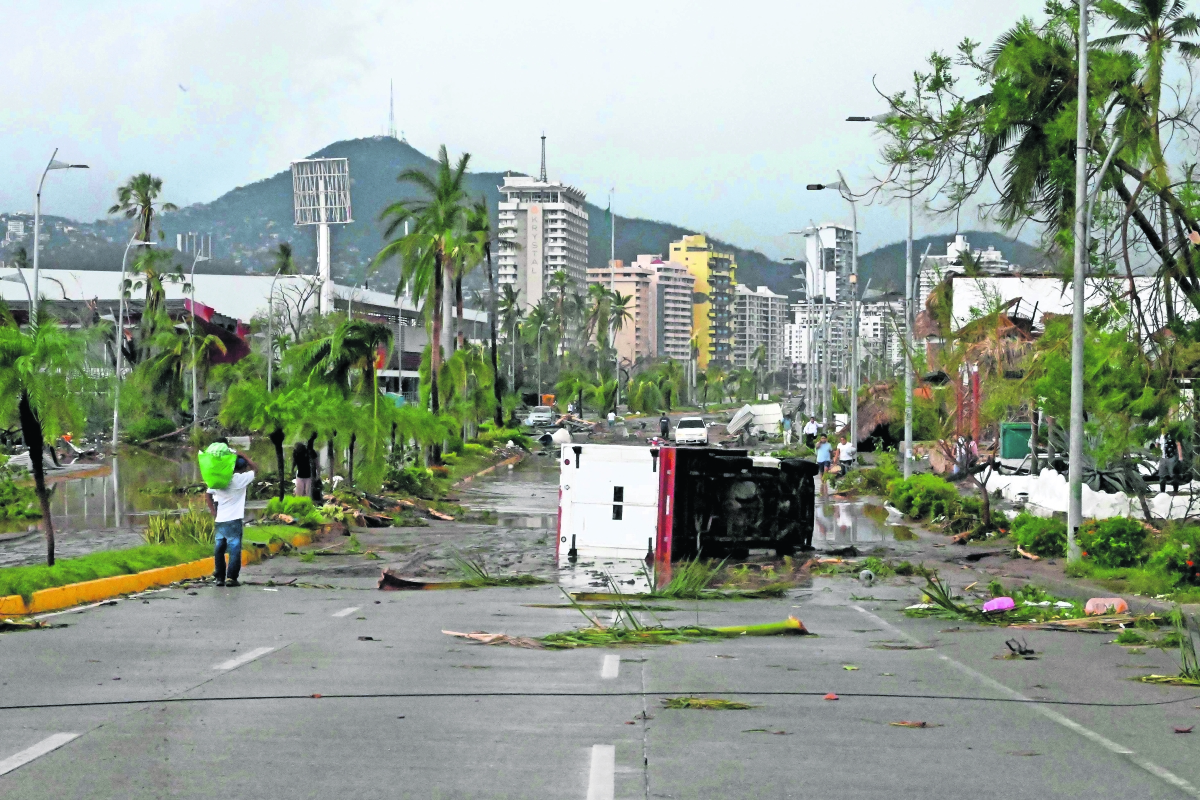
<point x="345" y="612"/>
<point x="244" y="658"/>
<point x="610" y="667"/>
<point x="1054" y="716"/>
<point x="38" y="750"/>
<point x="601" y="776"/>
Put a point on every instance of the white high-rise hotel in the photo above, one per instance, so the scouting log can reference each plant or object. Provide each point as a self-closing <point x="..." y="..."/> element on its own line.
<point x="548" y="225"/>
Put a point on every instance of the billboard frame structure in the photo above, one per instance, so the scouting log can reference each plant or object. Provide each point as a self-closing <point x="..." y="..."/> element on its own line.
<point x="321" y="197"/>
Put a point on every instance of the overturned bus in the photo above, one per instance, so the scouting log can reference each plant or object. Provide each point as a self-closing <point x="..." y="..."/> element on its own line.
<point x="671" y="503"/>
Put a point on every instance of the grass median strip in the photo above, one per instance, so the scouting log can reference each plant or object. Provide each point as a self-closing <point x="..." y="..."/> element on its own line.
<point x="24" y="581"/>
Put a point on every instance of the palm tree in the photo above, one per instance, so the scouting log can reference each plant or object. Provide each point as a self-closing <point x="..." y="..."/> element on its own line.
<point x="759" y="356"/>
<point x="479" y="232"/>
<point x="670" y="379"/>
<point x="40" y="368"/>
<point x="702" y="385"/>
<point x="1161" y="26"/>
<point x="136" y="199"/>
<point x="511" y="312"/>
<point x="285" y="263"/>
<point x="427" y="252"/>
<point x="575" y="383"/>
<point x="249" y="405"/>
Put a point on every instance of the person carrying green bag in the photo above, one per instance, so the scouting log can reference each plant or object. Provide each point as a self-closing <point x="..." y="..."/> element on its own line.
<point x="228" y="506"/>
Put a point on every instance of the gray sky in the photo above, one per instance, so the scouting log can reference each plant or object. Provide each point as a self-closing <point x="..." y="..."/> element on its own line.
<point x="710" y="115"/>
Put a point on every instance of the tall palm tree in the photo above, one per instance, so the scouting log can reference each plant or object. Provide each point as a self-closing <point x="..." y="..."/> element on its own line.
<point x="137" y="198"/>
<point x="1161" y="26"/>
<point x="427" y="252"/>
<point x="285" y="262"/>
<point x="511" y="312"/>
<point x="41" y="367"/>
<point x="249" y="405"/>
<point x="479" y="233"/>
<point x="759" y="357"/>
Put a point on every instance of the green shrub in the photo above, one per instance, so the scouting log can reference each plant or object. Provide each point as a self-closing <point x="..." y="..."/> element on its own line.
<point x="491" y="437"/>
<point x="148" y="428"/>
<point x="411" y="480"/>
<point x="1113" y="542"/>
<point x="301" y="509"/>
<point x="194" y="527"/>
<point x="872" y="480"/>
<point x="450" y="459"/>
<point x="18" y="500"/>
<point x="1178" y="553"/>
<point x="924" y="496"/>
<point x="1041" y="536"/>
<point x="473" y="449"/>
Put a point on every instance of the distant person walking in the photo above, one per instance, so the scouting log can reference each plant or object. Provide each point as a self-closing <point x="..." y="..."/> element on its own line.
<point x="824" y="456"/>
<point x="302" y="466"/>
<point x="810" y="432"/>
<point x="1170" y="456"/>
<point x="846" y="455"/>
<point x="787" y="431"/>
<point x="664" y="426"/>
<point x="228" y="507"/>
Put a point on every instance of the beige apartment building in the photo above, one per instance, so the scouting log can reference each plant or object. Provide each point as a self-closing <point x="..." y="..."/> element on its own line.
<point x="661" y="306"/>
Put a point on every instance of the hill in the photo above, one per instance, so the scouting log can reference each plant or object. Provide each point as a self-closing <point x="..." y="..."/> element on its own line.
<point x="884" y="266"/>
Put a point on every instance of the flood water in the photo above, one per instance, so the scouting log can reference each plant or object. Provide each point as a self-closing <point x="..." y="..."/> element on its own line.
<point x="853" y="522"/>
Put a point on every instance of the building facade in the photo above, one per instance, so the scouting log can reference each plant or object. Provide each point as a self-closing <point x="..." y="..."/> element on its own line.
<point x="758" y="319"/>
<point x="543" y="229"/>
<point x="715" y="276"/>
<point x="660" y="303"/>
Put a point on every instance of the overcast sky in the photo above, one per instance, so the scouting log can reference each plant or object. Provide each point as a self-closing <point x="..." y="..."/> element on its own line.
<point x="712" y="115"/>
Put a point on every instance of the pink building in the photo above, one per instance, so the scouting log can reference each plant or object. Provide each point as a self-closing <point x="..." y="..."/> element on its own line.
<point x="661" y="306"/>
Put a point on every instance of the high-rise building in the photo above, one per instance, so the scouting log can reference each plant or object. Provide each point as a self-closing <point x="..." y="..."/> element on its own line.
<point x="759" y="316"/>
<point x="715" y="276"/>
<point x="830" y="256"/>
<point x="660" y="305"/>
<point x="543" y="230"/>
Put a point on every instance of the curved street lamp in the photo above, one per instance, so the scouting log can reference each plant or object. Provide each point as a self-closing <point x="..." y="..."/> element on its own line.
<point x="120" y="338"/>
<point x="37" y="225"/>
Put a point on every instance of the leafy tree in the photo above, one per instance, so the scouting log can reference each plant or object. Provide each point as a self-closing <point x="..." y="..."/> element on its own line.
<point x="250" y="406"/>
<point x="138" y="199"/>
<point x="41" y="377"/>
<point x="479" y="233"/>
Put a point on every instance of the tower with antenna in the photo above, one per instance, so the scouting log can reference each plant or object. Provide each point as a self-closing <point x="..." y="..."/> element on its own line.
<point x="542" y="174"/>
<point x="391" y="109"/>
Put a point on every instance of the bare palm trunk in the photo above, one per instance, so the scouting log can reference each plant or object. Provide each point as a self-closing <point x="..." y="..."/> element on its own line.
<point x="492" y="311"/>
<point x="459" y="335"/>
<point x="435" y="340"/>
<point x="332" y="453"/>
<point x="1034" y="466"/>
<point x="276" y="438"/>
<point x="31" y="431"/>
<point x="350" y="464"/>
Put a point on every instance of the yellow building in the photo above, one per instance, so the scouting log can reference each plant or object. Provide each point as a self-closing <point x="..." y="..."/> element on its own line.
<point x="712" y="301"/>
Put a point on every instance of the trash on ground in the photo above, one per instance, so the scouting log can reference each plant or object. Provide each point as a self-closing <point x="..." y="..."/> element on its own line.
<point x="849" y="667"/>
<point x="1098" y="606"/>
<point x="764" y="730"/>
<point x="904" y="723"/>
<point x="831" y="696"/>
<point x="1019" y="647"/>
<point x="1188" y="729"/>
<point x="999" y="604"/>
<point x="499" y="638"/>
<point x="705" y="703"/>
<point x="21" y="625"/>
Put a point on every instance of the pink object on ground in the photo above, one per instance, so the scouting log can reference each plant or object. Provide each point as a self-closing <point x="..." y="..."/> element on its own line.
<point x="999" y="604"/>
<point x="1105" y="605"/>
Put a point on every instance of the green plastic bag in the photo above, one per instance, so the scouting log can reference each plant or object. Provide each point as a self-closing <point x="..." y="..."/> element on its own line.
<point x="216" y="465"/>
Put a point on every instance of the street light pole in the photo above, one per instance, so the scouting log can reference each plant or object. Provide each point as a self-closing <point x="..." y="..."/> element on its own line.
<point x="1075" y="466"/>
<point x="37" y="228"/>
<point x="853" y="312"/>
<point x="192" y="336"/>
<point x="120" y="339"/>
<point x="612" y="263"/>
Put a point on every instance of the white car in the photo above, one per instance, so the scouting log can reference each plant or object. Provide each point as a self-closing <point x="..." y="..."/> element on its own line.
<point x="540" y="415"/>
<point x="691" y="430"/>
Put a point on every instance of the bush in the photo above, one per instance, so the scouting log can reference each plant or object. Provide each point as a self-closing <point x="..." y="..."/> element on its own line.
<point x="412" y="480"/>
<point x="872" y="480"/>
<point x="17" y="500"/>
<point x="1113" y="542"/>
<point x="490" y="436"/>
<point x="301" y="509"/>
<point x="1041" y="536"/>
<point x="924" y="496"/>
<point x="1178" y="553"/>
<point x="149" y="428"/>
<point x="193" y="527"/>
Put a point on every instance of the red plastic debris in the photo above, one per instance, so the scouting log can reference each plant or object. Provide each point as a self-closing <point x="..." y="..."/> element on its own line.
<point x="831" y="696"/>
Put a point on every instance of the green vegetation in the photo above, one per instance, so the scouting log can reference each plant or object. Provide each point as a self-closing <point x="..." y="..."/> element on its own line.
<point x="27" y="580"/>
<point x="874" y="480"/>
<point x="475" y="574"/>
<point x="18" y="500"/>
<point x="1114" y="542"/>
<point x="925" y="496"/>
<point x="268" y="534"/>
<point x="193" y="527"/>
<point x="1043" y="536"/>
<point x="705" y="703"/>
<point x="300" y="509"/>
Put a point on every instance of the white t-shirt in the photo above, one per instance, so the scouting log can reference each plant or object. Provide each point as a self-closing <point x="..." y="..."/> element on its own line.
<point x="231" y="501"/>
<point x="811" y="426"/>
<point x="846" y="451"/>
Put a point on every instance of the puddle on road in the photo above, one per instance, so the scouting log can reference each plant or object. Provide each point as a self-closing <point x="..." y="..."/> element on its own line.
<point x="592" y="571"/>
<point x="839" y="524"/>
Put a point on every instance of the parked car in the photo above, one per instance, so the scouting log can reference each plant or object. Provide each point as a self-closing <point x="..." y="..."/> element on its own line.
<point x="691" y="430"/>
<point x="540" y="415"/>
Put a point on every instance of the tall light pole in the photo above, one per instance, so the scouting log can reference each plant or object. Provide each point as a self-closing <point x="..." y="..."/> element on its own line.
<point x="192" y="335"/>
<point x="541" y="328"/>
<point x="37" y="227"/>
<point x="612" y="288"/>
<point x="1075" y="455"/>
<point x="847" y="195"/>
<point x="908" y="310"/>
<point x="120" y="338"/>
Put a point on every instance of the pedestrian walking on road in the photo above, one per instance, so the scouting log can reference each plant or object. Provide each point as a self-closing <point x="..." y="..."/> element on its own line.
<point x="664" y="426"/>
<point x="846" y="455"/>
<point x="303" y="469"/>
<point x="810" y="432"/>
<point x="1170" y="455"/>
<point x="228" y="507"/>
<point x="787" y="431"/>
<point x="824" y="456"/>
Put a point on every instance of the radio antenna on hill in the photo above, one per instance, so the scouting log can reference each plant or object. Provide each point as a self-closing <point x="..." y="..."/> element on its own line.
<point x="391" y="109"/>
<point x="542" y="176"/>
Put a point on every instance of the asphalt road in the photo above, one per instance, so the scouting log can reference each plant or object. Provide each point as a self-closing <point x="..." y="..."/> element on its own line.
<point x="436" y="717"/>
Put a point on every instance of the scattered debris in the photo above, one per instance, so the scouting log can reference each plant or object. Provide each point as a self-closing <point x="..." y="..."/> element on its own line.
<point x="705" y="703"/>
<point x="1023" y="753"/>
<point x="433" y="512"/>
<point x="891" y="646"/>
<point x="1188" y="729"/>
<point x="7" y="625"/>
<point x="367" y="639"/>
<point x="764" y="730"/>
<point x="999" y="604"/>
<point x="1019" y="647"/>
<point x="904" y="723"/>
<point x="1099" y="606"/>
<point x="1025" y="554"/>
<point x="849" y="667"/>
<point x="499" y="638"/>
<point x="831" y="696"/>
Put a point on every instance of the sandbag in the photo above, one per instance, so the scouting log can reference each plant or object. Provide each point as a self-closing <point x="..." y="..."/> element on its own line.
<point x="216" y="465"/>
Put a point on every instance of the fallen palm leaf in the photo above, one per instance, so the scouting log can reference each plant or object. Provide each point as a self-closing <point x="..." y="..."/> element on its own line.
<point x="600" y="636"/>
<point x="439" y="515"/>
<point x="764" y="730"/>
<point x="499" y="638"/>
<point x="886" y="646"/>
<point x="21" y="625"/>
<point x="705" y="703"/>
<point x="913" y="724"/>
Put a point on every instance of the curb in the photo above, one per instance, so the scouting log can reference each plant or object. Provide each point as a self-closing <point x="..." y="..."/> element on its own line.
<point x="74" y="594"/>
<point x="492" y="468"/>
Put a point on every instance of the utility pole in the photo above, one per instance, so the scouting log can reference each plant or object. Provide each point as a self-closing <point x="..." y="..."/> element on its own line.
<point x="853" y="312"/>
<point x="908" y="334"/>
<point x="612" y="263"/>
<point x="1075" y="468"/>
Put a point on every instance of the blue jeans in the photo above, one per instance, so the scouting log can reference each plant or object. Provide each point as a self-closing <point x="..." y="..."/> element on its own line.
<point x="228" y="537"/>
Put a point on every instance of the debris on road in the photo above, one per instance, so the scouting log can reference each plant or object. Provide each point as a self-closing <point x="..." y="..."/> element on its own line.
<point x="1188" y="729"/>
<point x="904" y="723"/>
<point x="1099" y="606"/>
<point x="499" y="638"/>
<point x="831" y="696"/>
<point x="764" y="730"/>
<point x="9" y="625"/>
<point x="705" y="703"/>
<point x="632" y="634"/>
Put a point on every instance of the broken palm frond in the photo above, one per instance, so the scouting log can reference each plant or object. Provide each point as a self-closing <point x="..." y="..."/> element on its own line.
<point x="705" y="704"/>
<point x="1032" y="608"/>
<point x="904" y="723"/>
<point x="690" y="579"/>
<point x="599" y="636"/>
<point x="8" y="625"/>
<point x="605" y="606"/>
<point x="1189" y="666"/>
<point x="475" y="574"/>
